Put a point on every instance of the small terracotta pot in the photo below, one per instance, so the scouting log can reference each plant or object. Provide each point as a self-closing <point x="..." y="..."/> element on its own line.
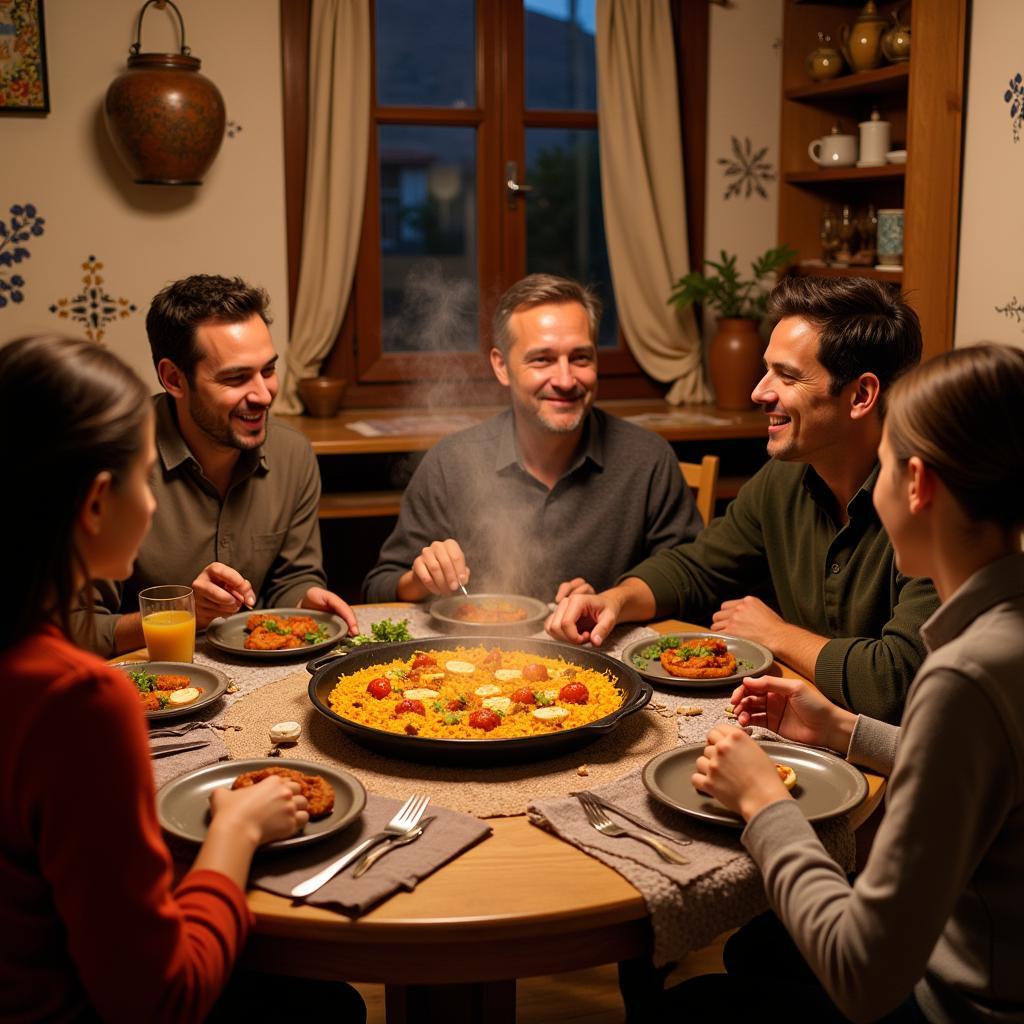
<point x="735" y="362"/>
<point x="322" y="395"/>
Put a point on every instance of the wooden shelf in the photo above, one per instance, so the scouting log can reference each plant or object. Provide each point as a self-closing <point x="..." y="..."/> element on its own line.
<point x="812" y="270"/>
<point x="892" y="78"/>
<point x="360" y="504"/>
<point x="828" y="175"/>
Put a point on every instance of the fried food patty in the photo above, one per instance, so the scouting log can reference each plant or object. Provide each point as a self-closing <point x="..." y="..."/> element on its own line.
<point x="315" y="788"/>
<point x="708" y="658"/>
<point x="168" y="683"/>
<point x="262" y="639"/>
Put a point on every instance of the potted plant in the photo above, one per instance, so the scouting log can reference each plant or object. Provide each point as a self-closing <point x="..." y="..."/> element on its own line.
<point x="734" y="356"/>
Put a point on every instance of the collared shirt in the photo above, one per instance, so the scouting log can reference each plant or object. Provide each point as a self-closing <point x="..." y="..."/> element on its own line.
<point x="622" y="499"/>
<point x="779" y="541"/>
<point x="265" y="527"/>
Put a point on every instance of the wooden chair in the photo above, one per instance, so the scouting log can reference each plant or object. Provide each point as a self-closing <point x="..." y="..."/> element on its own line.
<point x="702" y="478"/>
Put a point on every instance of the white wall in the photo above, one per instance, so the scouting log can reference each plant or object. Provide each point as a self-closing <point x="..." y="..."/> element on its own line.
<point x="146" y="236"/>
<point x="991" y="271"/>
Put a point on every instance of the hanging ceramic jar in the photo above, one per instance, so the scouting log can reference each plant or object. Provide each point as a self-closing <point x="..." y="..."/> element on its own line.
<point x="166" y="120"/>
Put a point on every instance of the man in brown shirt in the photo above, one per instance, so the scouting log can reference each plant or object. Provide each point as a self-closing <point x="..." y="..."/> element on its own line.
<point x="237" y="493"/>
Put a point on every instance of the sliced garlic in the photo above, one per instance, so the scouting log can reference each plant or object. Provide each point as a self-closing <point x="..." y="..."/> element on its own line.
<point x="420" y="693"/>
<point x="506" y="675"/>
<point x="487" y="690"/>
<point x="501" y="704"/>
<point x="550" y="714"/>
<point x="285" y="732"/>
<point x="460" y="668"/>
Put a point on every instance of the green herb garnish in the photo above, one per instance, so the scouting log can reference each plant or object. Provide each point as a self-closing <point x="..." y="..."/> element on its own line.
<point x="542" y="699"/>
<point x="317" y="636"/>
<point x="383" y="632"/>
<point x="145" y="682"/>
<point x="273" y="626"/>
<point x="453" y="719"/>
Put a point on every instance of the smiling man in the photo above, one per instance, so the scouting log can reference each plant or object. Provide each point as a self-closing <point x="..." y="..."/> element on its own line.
<point x="237" y="493"/>
<point x="800" y="562"/>
<point x="550" y="498"/>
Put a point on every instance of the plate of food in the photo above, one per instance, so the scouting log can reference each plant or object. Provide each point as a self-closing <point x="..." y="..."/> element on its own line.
<point x="699" y="661"/>
<point x="276" y="634"/>
<point x="173" y="689"/>
<point x="475" y="700"/>
<point x="492" y="614"/>
<point x="823" y="784"/>
<point x="336" y="798"/>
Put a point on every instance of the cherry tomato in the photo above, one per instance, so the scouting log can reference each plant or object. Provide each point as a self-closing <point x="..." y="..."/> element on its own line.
<point x="535" y="673"/>
<point x="485" y="719"/>
<point x="379" y="688"/>
<point x="493" y="660"/>
<point x="524" y="695"/>
<point x="423" y="661"/>
<point x="456" y="705"/>
<point x="574" y="693"/>
<point x="407" y="706"/>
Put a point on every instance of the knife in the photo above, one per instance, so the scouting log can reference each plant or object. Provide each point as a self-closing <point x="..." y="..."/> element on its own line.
<point x="640" y="822"/>
<point x="374" y="855"/>
<point x="179" y="748"/>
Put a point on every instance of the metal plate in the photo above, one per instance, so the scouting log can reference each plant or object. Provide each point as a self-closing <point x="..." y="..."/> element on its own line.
<point x="183" y="804"/>
<point x="826" y="785"/>
<point x="442" y="612"/>
<point x="746" y="652"/>
<point x="229" y="634"/>
<point x="212" y="682"/>
<point x="636" y="693"/>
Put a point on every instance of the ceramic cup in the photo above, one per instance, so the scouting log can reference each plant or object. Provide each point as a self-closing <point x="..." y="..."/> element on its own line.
<point x="890" y="238"/>
<point x="321" y="395"/>
<point x="874" y="143"/>
<point x="834" y="151"/>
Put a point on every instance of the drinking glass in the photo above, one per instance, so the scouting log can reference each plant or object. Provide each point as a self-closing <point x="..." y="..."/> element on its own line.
<point x="168" y="622"/>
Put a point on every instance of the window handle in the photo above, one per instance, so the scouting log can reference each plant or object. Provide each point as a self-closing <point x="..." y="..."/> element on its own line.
<point x="513" y="187"/>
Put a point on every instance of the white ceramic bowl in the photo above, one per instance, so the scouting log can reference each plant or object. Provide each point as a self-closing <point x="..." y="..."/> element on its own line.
<point x="896" y="156"/>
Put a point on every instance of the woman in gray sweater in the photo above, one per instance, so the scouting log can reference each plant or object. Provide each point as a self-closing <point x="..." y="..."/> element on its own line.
<point x="933" y="928"/>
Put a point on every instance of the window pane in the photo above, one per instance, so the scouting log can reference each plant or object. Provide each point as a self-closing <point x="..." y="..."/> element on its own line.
<point x="560" y="59"/>
<point x="564" y="220"/>
<point x="428" y="239"/>
<point x="426" y="53"/>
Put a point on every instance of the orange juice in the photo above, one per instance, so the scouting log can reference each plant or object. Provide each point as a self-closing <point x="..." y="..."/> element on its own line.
<point x="170" y="635"/>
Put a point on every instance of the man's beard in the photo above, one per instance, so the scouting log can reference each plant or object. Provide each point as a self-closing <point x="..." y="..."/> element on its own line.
<point x="222" y="433"/>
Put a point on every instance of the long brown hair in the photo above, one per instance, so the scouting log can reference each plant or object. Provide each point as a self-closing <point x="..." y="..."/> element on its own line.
<point x="961" y="414"/>
<point x="69" y="410"/>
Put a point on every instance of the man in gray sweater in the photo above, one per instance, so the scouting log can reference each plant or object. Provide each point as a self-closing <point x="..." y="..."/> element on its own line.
<point x="550" y="498"/>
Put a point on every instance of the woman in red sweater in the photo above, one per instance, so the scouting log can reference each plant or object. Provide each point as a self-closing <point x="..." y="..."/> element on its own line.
<point x="90" y="923"/>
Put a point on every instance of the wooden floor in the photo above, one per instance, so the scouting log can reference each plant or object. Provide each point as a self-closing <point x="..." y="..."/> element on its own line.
<point x="579" y="997"/>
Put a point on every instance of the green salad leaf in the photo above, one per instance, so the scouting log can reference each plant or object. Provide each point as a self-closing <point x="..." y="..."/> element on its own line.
<point x="383" y="632"/>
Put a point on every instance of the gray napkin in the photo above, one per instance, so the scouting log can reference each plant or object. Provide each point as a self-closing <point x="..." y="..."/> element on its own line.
<point x="446" y="837"/>
<point x="689" y="904"/>
<point x="173" y="765"/>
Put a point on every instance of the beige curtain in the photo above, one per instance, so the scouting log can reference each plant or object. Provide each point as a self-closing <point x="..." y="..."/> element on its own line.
<point x="336" y="157"/>
<point x="642" y="189"/>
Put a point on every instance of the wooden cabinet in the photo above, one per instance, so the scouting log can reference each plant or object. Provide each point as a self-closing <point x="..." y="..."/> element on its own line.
<point x="923" y="99"/>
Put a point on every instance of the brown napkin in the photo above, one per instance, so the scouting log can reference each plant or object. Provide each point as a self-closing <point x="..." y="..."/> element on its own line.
<point x="689" y="904"/>
<point x="173" y="765"/>
<point x="448" y="835"/>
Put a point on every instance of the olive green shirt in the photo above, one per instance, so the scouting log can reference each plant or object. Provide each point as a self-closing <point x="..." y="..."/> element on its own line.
<point x="779" y="541"/>
<point x="266" y="526"/>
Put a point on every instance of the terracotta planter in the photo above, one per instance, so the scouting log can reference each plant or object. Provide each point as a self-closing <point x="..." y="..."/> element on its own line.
<point x="166" y="120"/>
<point x="735" y="362"/>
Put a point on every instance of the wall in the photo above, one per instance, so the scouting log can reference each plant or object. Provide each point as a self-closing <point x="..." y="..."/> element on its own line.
<point x="744" y="103"/>
<point x="990" y="287"/>
<point x="144" y="236"/>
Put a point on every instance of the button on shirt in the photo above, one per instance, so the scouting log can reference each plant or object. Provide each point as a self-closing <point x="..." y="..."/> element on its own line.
<point x="266" y="526"/>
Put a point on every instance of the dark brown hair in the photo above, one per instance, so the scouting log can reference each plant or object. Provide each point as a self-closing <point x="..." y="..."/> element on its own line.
<point x="538" y="290"/>
<point x="960" y="413"/>
<point x="176" y="312"/>
<point x="864" y="326"/>
<point x="69" y="410"/>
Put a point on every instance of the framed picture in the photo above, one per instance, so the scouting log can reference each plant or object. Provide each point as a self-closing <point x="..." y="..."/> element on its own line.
<point x="23" y="85"/>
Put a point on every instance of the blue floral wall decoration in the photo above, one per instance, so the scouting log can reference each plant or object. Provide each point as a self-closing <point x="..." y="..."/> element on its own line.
<point x="25" y="224"/>
<point x="747" y="170"/>
<point x="93" y="306"/>
<point x="1015" y="97"/>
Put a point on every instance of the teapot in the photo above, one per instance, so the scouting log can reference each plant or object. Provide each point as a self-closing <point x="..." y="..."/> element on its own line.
<point x="826" y="62"/>
<point x="896" y="42"/>
<point x="862" y="45"/>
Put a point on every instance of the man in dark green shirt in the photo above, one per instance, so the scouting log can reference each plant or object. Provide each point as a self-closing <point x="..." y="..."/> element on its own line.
<point x="800" y="562"/>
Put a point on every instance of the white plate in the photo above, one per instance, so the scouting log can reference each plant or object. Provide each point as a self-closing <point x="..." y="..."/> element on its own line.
<point x="896" y="156"/>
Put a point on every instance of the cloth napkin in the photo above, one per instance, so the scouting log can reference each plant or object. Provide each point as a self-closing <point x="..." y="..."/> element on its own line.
<point x="448" y="835"/>
<point x="689" y="904"/>
<point x="173" y="765"/>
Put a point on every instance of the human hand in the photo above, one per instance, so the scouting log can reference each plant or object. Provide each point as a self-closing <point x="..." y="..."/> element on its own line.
<point x="795" y="709"/>
<point x="440" y="567"/>
<point x="272" y="809"/>
<point x="220" y="590"/>
<point x="586" y="616"/>
<point x="574" y="586"/>
<point x="737" y="773"/>
<point x="322" y="600"/>
<point x="748" y="617"/>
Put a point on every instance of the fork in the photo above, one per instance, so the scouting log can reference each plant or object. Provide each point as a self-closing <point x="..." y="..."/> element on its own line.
<point x="600" y="821"/>
<point x="407" y="817"/>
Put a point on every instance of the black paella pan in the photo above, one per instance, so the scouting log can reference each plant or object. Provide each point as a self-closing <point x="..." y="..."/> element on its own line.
<point x="327" y="670"/>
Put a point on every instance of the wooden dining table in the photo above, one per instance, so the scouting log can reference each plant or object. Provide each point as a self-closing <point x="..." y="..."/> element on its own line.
<point x="520" y="903"/>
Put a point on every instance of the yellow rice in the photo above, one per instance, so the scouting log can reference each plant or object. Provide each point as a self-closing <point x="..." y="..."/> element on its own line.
<point x="350" y="698"/>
